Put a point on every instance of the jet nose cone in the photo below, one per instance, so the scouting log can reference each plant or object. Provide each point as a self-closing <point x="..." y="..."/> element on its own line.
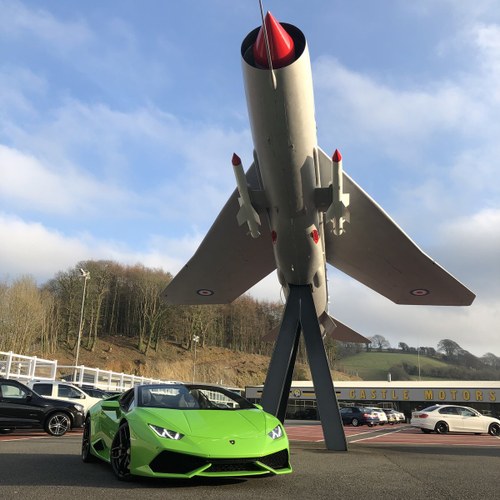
<point x="281" y="45"/>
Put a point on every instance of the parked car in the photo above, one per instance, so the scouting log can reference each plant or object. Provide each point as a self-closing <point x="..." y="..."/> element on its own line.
<point x="306" y="414"/>
<point x="96" y="393"/>
<point x="392" y="416"/>
<point x="182" y="431"/>
<point x="358" y="415"/>
<point x="22" y="408"/>
<point x="395" y="415"/>
<point x="64" y="391"/>
<point x="454" y="418"/>
<point x="382" y="417"/>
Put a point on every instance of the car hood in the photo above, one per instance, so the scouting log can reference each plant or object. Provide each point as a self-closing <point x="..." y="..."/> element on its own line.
<point x="211" y="424"/>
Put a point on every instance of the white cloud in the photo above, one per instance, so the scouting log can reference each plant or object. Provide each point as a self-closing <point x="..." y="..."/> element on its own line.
<point x="33" y="249"/>
<point x="401" y="121"/>
<point x="27" y="182"/>
<point x="18" y="21"/>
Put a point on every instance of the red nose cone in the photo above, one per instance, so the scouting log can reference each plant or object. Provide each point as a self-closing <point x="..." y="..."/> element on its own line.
<point x="337" y="156"/>
<point x="281" y="45"/>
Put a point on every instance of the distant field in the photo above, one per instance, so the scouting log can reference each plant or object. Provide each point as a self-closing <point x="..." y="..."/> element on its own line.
<point x="376" y="365"/>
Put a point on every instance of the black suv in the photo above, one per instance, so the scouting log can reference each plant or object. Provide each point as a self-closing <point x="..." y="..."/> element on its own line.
<point x="22" y="408"/>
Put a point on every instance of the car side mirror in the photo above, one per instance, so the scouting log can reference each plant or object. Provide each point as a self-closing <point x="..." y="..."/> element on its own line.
<point x="260" y="407"/>
<point x="110" y="405"/>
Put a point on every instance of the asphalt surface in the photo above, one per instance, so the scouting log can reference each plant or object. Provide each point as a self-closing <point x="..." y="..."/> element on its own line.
<point x="377" y="466"/>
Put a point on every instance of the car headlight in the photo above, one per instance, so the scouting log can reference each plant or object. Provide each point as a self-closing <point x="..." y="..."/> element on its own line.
<point x="276" y="433"/>
<point x="165" y="433"/>
<point x="79" y="408"/>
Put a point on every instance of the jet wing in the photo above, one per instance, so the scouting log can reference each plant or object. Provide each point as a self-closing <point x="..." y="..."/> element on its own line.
<point x="228" y="261"/>
<point x="375" y="251"/>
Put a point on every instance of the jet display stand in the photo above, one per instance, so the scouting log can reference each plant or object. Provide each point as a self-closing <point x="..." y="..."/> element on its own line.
<point x="300" y="314"/>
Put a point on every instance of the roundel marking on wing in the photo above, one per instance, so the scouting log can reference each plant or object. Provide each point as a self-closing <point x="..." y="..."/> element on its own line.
<point x="204" y="292"/>
<point x="420" y="292"/>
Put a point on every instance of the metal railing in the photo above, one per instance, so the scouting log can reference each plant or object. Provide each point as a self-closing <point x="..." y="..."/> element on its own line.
<point x="26" y="368"/>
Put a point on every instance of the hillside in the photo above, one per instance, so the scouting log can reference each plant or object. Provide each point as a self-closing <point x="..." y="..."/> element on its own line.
<point x="376" y="365"/>
<point x="172" y="362"/>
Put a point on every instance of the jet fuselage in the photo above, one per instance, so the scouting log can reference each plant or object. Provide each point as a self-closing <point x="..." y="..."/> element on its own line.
<point x="281" y="111"/>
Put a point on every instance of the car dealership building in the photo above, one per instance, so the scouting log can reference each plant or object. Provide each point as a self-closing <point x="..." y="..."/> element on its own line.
<point x="404" y="396"/>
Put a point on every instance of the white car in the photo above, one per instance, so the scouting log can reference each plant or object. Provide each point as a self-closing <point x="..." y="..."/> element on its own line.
<point x="454" y="418"/>
<point x="392" y="415"/>
<point x="401" y="416"/>
<point x="382" y="417"/>
<point x="64" y="391"/>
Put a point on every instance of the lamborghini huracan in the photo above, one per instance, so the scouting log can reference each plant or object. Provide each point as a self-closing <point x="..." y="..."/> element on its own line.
<point x="177" y="430"/>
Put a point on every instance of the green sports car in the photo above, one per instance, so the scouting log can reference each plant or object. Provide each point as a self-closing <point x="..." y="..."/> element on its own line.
<point x="176" y="430"/>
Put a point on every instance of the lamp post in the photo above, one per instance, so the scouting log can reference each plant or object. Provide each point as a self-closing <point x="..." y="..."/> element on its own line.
<point x="418" y="358"/>
<point x="196" y="339"/>
<point x="86" y="276"/>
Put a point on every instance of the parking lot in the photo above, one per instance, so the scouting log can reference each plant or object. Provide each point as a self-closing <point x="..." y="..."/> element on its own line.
<point x="382" y="462"/>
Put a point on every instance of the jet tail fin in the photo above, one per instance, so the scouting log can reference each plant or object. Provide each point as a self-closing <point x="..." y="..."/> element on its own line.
<point x="329" y="326"/>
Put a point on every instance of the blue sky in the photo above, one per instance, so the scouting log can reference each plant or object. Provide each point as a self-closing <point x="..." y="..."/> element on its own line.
<point x="119" y="120"/>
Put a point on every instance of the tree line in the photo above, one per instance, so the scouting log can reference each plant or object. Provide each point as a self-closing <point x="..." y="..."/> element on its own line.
<point x="123" y="300"/>
<point x="126" y="301"/>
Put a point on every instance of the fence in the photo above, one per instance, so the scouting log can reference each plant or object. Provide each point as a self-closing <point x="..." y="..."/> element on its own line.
<point x="25" y="368"/>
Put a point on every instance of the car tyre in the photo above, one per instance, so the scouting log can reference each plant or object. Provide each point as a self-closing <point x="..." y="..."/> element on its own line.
<point x="355" y="422"/>
<point x="494" y="429"/>
<point x="6" y="431"/>
<point x="57" y="424"/>
<point x="441" y="428"/>
<point x="120" y="453"/>
<point x="87" y="456"/>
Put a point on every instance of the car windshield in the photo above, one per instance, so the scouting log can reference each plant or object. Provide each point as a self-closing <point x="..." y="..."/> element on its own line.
<point x="190" y="397"/>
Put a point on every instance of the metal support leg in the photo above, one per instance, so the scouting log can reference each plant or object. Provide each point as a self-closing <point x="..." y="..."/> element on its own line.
<point x="288" y="381"/>
<point x="300" y="313"/>
<point x="279" y="375"/>
<point x="326" y="398"/>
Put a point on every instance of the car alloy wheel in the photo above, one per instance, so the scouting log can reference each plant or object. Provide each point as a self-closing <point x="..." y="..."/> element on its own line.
<point x="120" y="453"/>
<point x="355" y="422"/>
<point x="86" y="438"/>
<point x="58" y="424"/>
<point x="494" y="430"/>
<point x="441" y="428"/>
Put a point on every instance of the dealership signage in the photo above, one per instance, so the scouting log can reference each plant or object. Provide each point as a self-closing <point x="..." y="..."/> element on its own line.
<point x="444" y="394"/>
<point x="400" y="394"/>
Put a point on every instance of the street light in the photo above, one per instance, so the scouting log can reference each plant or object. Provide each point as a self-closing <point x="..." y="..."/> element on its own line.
<point x="196" y="339"/>
<point x="418" y="358"/>
<point x="86" y="276"/>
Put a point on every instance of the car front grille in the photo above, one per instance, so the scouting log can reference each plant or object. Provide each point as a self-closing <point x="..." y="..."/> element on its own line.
<point x="277" y="460"/>
<point x="233" y="465"/>
<point x="169" y="462"/>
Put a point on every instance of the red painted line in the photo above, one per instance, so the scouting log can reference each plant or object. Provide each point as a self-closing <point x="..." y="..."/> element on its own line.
<point x="392" y="435"/>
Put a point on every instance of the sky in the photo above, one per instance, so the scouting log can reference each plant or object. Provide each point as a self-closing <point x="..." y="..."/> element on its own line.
<point x="118" y="121"/>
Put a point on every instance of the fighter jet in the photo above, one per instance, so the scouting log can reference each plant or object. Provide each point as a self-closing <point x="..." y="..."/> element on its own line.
<point x="295" y="209"/>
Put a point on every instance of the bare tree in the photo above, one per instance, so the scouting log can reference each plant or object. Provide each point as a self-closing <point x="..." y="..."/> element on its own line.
<point x="23" y="315"/>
